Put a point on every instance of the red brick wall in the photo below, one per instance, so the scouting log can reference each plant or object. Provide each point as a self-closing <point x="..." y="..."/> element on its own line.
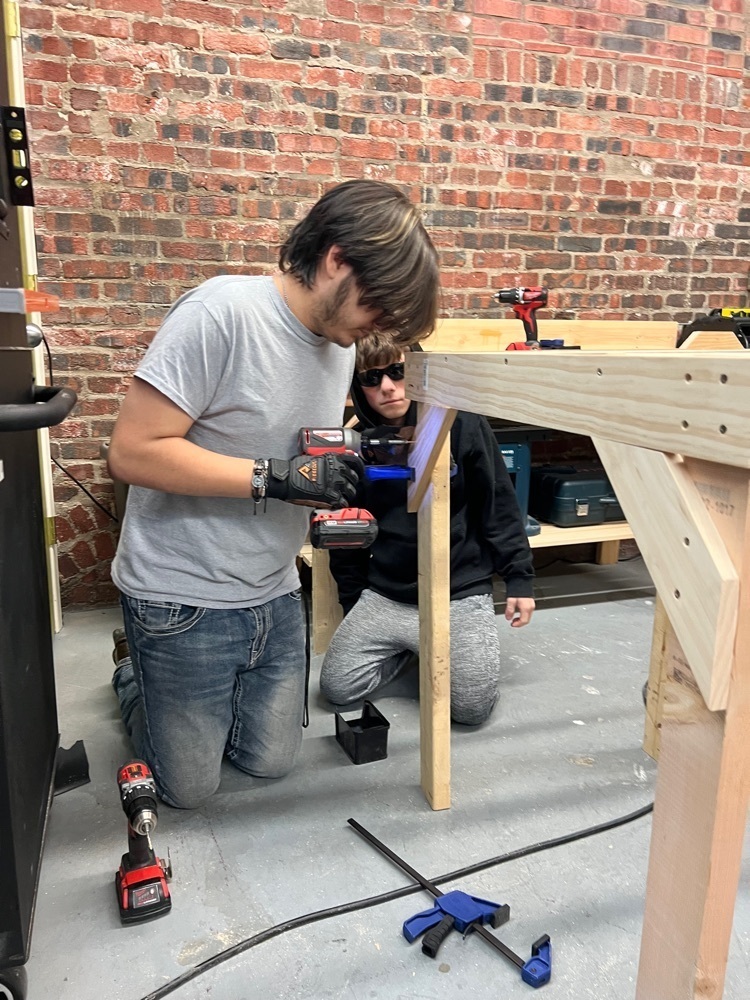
<point x="601" y="147"/>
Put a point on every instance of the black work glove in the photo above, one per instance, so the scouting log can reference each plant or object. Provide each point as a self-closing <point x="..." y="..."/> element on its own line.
<point x="315" y="480"/>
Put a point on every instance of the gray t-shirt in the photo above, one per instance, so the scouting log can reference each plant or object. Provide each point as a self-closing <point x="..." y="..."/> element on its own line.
<point x="234" y="358"/>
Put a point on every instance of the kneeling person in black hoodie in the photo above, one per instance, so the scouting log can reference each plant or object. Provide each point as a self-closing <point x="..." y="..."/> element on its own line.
<point x="378" y="586"/>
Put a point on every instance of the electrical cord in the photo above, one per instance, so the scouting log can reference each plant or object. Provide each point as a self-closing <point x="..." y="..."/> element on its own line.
<point x="386" y="897"/>
<point x="62" y="467"/>
<point x="307" y="605"/>
<point x="81" y="486"/>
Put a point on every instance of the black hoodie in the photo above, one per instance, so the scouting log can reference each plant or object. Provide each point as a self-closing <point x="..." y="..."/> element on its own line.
<point x="487" y="534"/>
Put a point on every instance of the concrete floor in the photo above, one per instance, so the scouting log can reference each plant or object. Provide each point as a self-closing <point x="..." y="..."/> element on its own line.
<point x="562" y="752"/>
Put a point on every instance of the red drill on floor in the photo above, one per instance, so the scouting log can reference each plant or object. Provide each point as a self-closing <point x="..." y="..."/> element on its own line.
<point x="141" y="882"/>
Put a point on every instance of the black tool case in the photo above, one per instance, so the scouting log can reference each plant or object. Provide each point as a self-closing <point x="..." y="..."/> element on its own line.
<point x="566" y="496"/>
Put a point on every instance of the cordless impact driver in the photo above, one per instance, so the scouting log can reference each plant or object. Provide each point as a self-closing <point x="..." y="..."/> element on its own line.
<point x="141" y="882"/>
<point x="352" y="527"/>
<point x="347" y="441"/>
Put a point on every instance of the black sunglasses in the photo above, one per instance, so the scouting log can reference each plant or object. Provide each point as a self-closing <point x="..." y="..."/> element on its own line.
<point x="374" y="376"/>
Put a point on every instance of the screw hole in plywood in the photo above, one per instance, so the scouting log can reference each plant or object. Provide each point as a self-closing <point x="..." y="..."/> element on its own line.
<point x="722" y="429"/>
<point x="688" y="377"/>
<point x="723" y="378"/>
<point x="686" y="541"/>
<point x="685" y="425"/>
<point x="677" y="594"/>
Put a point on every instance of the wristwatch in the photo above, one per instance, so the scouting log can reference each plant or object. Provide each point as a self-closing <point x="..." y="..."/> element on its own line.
<point x="259" y="481"/>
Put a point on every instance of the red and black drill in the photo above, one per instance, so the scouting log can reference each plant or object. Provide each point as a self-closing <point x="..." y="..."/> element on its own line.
<point x="346" y="441"/>
<point x="352" y="527"/>
<point x="525" y="302"/>
<point x="141" y="882"/>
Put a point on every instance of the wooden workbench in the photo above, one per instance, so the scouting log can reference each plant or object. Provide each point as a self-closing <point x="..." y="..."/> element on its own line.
<point x="671" y="430"/>
<point x="488" y="335"/>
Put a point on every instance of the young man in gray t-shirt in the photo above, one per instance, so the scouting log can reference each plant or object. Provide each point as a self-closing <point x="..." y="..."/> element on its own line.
<point x="207" y="438"/>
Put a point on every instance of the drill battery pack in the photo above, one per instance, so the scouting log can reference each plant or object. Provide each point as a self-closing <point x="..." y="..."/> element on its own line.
<point x="567" y="497"/>
<point x="142" y="892"/>
<point x="350" y="528"/>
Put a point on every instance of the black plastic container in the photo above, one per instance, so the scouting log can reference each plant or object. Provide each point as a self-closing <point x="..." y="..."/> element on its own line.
<point x="567" y="496"/>
<point x="365" y="738"/>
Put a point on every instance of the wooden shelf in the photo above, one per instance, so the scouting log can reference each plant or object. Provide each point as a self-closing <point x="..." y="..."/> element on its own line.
<point x="612" y="531"/>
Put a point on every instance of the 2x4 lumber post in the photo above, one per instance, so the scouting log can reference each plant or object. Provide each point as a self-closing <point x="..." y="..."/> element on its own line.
<point x="326" y="610"/>
<point x="657" y="675"/>
<point x="433" y="428"/>
<point x="702" y="791"/>
<point x="607" y="553"/>
<point x="430" y="456"/>
<point x="663" y="633"/>
<point x="685" y="554"/>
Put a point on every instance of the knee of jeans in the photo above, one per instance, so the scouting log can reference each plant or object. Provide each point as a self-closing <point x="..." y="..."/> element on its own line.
<point x="187" y="794"/>
<point x="278" y="768"/>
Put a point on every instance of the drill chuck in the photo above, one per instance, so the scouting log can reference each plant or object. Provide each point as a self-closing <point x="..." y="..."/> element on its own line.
<point x="138" y="796"/>
<point x="537" y="294"/>
<point x="143" y="822"/>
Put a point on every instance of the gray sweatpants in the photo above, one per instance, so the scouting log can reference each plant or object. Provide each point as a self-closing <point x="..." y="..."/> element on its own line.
<point x="378" y="636"/>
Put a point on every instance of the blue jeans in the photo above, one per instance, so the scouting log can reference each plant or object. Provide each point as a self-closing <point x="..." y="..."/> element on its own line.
<point x="202" y="684"/>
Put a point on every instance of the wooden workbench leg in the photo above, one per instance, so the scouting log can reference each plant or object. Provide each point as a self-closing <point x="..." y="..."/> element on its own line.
<point x="607" y="553"/>
<point x="702" y="795"/>
<point x="696" y="845"/>
<point x="434" y="635"/>
<point x="326" y="610"/>
<point x="663" y="634"/>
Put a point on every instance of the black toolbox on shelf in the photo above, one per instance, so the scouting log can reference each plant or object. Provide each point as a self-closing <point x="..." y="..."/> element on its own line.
<point x="567" y="496"/>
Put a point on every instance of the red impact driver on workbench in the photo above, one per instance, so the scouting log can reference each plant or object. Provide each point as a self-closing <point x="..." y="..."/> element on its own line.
<point x="525" y="302"/>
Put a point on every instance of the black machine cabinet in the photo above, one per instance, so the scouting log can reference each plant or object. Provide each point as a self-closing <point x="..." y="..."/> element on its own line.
<point x="28" y="713"/>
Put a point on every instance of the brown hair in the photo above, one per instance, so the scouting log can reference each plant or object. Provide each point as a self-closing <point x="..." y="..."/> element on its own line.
<point x="380" y="234"/>
<point x="376" y="351"/>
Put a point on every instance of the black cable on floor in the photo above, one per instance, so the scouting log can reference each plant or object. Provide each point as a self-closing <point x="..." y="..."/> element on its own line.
<point x="386" y="897"/>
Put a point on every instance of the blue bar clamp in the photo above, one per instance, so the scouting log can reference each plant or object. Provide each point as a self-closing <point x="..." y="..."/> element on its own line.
<point x="459" y="911"/>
